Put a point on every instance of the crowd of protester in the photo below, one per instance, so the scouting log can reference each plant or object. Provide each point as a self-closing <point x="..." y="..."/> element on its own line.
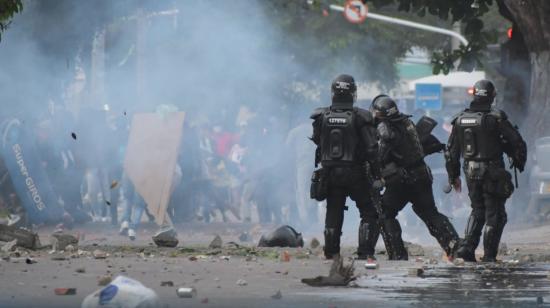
<point x="229" y="168"/>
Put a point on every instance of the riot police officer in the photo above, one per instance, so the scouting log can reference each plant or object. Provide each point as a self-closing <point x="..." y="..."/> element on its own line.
<point x="346" y="141"/>
<point x="407" y="179"/>
<point x="481" y="134"/>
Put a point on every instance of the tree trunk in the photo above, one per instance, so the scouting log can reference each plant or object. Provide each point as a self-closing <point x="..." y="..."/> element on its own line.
<point x="533" y="20"/>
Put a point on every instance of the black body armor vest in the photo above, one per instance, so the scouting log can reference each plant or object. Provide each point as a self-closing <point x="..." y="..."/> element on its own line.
<point x="479" y="136"/>
<point x="339" y="138"/>
<point x="409" y="150"/>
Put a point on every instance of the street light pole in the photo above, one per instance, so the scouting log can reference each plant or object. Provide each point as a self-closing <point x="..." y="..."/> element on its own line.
<point x="407" y="23"/>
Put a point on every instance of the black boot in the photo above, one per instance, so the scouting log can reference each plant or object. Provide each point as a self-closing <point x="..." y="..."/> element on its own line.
<point x="472" y="234"/>
<point x="332" y="242"/>
<point x="444" y="232"/>
<point x="491" y="240"/>
<point x="392" y="228"/>
<point x="368" y="236"/>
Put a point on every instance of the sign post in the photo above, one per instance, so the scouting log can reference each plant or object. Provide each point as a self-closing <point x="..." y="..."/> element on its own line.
<point x="428" y="96"/>
<point x="355" y="11"/>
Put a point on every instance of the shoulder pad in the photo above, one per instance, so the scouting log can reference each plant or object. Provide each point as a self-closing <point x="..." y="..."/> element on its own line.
<point x="456" y="116"/>
<point x="499" y="114"/>
<point x="365" y="115"/>
<point x="317" y="112"/>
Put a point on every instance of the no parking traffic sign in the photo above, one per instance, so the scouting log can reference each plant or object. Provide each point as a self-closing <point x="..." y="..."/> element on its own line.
<point x="355" y="11"/>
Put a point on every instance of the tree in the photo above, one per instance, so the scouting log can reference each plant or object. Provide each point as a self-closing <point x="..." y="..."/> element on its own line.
<point x="8" y="8"/>
<point x="531" y="20"/>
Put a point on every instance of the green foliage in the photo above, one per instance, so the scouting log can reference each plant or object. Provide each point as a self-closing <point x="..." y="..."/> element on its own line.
<point x="322" y="41"/>
<point x="8" y="8"/>
<point x="469" y="13"/>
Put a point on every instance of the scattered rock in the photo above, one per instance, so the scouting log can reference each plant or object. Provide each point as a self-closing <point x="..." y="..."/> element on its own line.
<point x="241" y="282"/>
<point x="70" y="248"/>
<point x="99" y="254"/>
<point x="458" y="262"/>
<point x="65" y="291"/>
<point x="225" y="258"/>
<point x="24" y="237"/>
<point x="9" y="246"/>
<point x="166" y="237"/>
<point x="216" y="242"/>
<point x="80" y="270"/>
<point x="192" y="258"/>
<point x="58" y="257"/>
<point x="284" y="236"/>
<point x="416" y="272"/>
<point x="503" y="249"/>
<point x="285" y="256"/>
<point x="277" y="295"/>
<point x="104" y="280"/>
<point x="186" y="292"/>
<point x="339" y="275"/>
<point x="166" y="283"/>
<point x="414" y="250"/>
<point x="60" y="241"/>
<point x="314" y="243"/>
<point x="30" y="261"/>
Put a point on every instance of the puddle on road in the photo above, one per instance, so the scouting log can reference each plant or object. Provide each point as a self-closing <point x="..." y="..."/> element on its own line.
<point x="480" y="285"/>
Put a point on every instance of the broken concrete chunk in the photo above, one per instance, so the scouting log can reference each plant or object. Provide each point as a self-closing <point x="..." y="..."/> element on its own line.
<point x="99" y="254"/>
<point x="241" y="282"/>
<point x="104" y="280"/>
<point x="60" y="241"/>
<point x="166" y="237"/>
<point x="314" y="243"/>
<point x="284" y="236"/>
<point x="277" y="295"/>
<point x="414" y="250"/>
<point x="9" y="246"/>
<point x="416" y="272"/>
<point x="339" y="275"/>
<point x="216" y="242"/>
<point x="24" y="237"/>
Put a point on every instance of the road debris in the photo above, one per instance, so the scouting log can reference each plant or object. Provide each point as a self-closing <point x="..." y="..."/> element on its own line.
<point x="339" y="275"/>
<point x="30" y="261"/>
<point x="60" y="241"/>
<point x="186" y="292"/>
<point x="416" y="272"/>
<point x="99" y="254"/>
<point x="371" y="265"/>
<point x="104" y="280"/>
<point x="166" y="237"/>
<point x="314" y="243"/>
<point x="414" y="250"/>
<point x="167" y="283"/>
<point x="80" y="270"/>
<point x="242" y="282"/>
<point x="216" y="242"/>
<point x="277" y="295"/>
<point x="65" y="291"/>
<point x="284" y="236"/>
<point x="122" y="292"/>
<point x="24" y="237"/>
<point x="285" y="256"/>
<point x="9" y="246"/>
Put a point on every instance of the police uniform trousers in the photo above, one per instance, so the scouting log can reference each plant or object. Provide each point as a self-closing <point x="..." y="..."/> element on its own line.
<point x="349" y="182"/>
<point x="418" y="192"/>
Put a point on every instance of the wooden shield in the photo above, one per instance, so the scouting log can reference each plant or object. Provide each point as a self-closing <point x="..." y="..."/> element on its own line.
<point x="153" y="147"/>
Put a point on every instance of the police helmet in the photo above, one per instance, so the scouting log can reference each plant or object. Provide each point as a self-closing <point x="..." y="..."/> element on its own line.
<point x="343" y="90"/>
<point x="384" y="107"/>
<point x="484" y="91"/>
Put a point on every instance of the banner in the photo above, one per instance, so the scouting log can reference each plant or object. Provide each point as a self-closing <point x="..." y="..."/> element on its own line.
<point x="27" y="174"/>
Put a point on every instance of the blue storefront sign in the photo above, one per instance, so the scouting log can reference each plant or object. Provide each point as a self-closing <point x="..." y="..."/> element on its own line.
<point x="29" y="178"/>
<point x="428" y="96"/>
